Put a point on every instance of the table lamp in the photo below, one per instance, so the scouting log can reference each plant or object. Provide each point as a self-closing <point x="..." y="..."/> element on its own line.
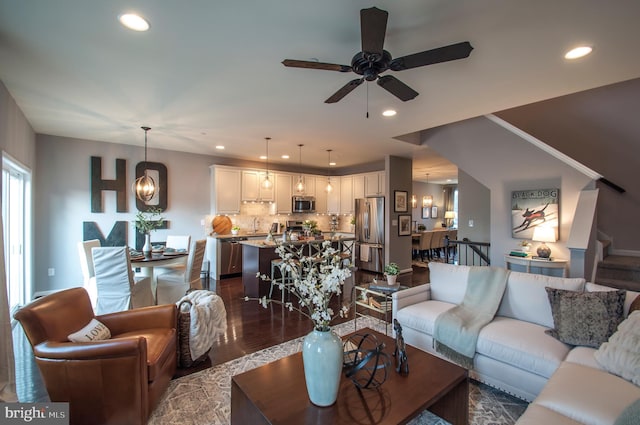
<point x="544" y="234"/>
<point x="449" y="215"/>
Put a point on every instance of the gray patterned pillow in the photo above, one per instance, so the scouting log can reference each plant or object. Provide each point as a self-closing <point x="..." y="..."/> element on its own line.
<point x="585" y="318"/>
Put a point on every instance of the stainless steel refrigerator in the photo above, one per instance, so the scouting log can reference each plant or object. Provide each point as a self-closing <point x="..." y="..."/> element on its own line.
<point x="370" y="234"/>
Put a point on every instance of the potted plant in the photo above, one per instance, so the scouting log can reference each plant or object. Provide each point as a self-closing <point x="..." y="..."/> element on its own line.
<point x="391" y="271"/>
<point x="147" y="222"/>
<point x="235" y="230"/>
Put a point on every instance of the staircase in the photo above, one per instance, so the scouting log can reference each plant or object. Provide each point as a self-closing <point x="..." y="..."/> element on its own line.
<point x="619" y="271"/>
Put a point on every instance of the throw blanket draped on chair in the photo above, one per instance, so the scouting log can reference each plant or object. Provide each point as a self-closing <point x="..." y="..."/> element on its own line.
<point x="456" y="330"/>
<point x="208" y="318"/>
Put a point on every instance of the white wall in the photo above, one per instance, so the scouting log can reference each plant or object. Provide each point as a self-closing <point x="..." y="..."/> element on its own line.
<point x="421" y="189"/>
<point x="63" y="200"/>
<point x="503" y="162"/>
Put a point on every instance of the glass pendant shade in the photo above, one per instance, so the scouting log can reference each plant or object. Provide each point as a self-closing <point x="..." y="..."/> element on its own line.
<point x="144" y="187"/>
<point x="266" y="183"/>
<point x="300" y="184"/>
<point x="329" y="188"/>
<point x="427" y="201"/>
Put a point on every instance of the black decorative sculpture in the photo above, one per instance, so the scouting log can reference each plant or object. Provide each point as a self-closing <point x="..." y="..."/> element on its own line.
<point x="400" y="353"/>
<point x="365" y="362"/>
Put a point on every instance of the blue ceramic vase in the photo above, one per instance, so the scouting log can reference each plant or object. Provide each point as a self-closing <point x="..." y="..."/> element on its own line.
<point x="322" y="358"/>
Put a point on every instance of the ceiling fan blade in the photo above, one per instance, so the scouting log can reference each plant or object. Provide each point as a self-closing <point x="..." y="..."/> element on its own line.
<point x="316" y="65"/>
<point x="345" y="90"/>
<point x="397" y="88"/>
<point x="429" y="57"/>
<point x="373" y="27"/>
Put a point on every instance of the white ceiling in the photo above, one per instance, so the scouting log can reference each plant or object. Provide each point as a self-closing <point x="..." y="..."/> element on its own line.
<point x="209" y="72"/>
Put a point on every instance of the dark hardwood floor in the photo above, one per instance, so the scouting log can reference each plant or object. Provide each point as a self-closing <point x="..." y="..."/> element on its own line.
<point x="250" y="328"/>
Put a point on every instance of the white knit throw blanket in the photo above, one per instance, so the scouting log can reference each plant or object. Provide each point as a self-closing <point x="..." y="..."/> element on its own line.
<point x="456" y="330"/>
<point x="208" y="319"/>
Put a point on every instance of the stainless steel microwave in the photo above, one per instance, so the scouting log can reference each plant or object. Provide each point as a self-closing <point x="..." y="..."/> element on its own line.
<point x="303" y="204"/>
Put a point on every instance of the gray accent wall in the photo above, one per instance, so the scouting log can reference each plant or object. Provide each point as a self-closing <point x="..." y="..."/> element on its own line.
<point x="63" y="201"/>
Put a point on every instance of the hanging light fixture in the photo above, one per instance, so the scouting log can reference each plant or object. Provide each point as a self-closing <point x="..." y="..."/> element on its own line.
<point x="144" y="186"/>
<point x="266" y="183"/>
<point x="300" y="185"/>
<point x="414" y="201"/>
<point x="329" y="187"/>
<point x="427" y="200"/>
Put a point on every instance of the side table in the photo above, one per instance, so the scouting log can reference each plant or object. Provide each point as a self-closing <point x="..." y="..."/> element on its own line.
<point x="376" y="298"/>
<point x="530" y="262"/>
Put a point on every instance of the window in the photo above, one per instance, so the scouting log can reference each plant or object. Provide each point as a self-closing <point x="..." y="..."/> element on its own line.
<point x="16" y="220"/>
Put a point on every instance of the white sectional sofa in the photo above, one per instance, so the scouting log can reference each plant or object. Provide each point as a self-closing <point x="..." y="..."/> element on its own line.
<point x="513" y="352"/>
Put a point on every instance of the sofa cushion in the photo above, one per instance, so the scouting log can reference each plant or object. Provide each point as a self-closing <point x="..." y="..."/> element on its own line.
<point x="621" y="354"/>
<point x="584" y="356"/>
<point x="585" y="318"/>
<point x="536" y="415"/>
<point x="422" y="316"/>
<point x="161" y="346"/>
<point x="521" y="344"/>
<point x="448" y="282"/>
<point x="526" y="299"/>
<point x="631" y="298"/>
<point x="630" y="414"/>
<point x="587" y="395"/>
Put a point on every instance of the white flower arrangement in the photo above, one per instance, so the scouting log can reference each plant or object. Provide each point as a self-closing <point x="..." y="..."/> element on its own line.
<point x="316" y="279"/>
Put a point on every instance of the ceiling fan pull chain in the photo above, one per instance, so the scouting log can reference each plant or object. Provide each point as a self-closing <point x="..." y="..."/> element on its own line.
<point x="367" y="100"/>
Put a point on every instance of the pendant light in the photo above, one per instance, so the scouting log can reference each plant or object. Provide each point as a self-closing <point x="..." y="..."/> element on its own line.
<point x="144" y="186"/>
<point x="266" y="183"/>
<point x="300" y="185"/>
<point x="329" y="187"/>
<point x="427" y="200"/>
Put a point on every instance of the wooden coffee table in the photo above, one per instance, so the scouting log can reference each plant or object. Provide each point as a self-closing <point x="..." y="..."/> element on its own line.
<point x="276" y="393"/>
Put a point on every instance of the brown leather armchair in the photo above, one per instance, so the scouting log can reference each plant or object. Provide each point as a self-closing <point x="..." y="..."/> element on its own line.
<point x="115" y="381"/>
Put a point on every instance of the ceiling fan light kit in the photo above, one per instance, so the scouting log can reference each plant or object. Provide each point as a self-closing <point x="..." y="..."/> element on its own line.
<point x="373" y="60"/>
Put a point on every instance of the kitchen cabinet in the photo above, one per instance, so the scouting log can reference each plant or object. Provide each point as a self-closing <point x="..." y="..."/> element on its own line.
<point x="321" y="194"/>
<point x="374" y="183"/>
<point x="346" y="195"/>
<point x="309" y="185"/>
<point x="358" y="186"/>
<point x="225" y="185"/>
<point x="252" y="189"/>
<point x="333" y="197"/>
<point x="283" y="193"/>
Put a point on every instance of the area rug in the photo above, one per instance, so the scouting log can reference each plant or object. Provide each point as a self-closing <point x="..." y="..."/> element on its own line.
<point x="204" y="398"/>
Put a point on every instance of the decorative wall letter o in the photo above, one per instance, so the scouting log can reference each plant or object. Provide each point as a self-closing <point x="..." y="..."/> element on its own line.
<point x="162" y="185"/>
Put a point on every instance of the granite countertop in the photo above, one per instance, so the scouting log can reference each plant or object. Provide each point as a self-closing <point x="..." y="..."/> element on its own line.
<point x="278" y="240"/>
<point x="275" y="235"/>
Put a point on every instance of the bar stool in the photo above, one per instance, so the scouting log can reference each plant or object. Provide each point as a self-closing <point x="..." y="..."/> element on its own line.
<point x="280" y="277"/>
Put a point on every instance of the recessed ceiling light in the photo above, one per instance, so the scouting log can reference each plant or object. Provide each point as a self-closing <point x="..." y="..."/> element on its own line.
<point x="332" y="163"/>
<point x="134" y="22"/>
<point x="263" y="157"/>
<point x="389" y="113"/>
<point x="578" y="52"/>
<point x="285" y="156"/>
<point x="220" y="147"/>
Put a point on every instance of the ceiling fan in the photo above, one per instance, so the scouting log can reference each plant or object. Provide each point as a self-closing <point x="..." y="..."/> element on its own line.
<point x="373" y="60"/>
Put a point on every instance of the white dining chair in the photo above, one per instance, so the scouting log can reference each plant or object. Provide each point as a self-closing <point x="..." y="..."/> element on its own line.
<point x="88" y="272"/>
<point x="174" y="285"/>
<point x="117" y="287"/>
<point x="176" y="242"/>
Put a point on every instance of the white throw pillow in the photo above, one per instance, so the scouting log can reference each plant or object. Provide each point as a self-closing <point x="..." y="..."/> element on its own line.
<point x="621" y="354"/>
<point x="93" y="331"/>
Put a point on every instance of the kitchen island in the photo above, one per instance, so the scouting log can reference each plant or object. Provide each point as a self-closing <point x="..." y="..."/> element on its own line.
<point x="258" y="254"/>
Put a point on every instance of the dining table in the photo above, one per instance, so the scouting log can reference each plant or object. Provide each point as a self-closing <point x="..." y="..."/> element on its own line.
<point x="147" y="263"/>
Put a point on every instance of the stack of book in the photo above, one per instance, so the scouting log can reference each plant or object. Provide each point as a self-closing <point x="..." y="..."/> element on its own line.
<point x="518" y="254"/>
<point x="380" y="304"/>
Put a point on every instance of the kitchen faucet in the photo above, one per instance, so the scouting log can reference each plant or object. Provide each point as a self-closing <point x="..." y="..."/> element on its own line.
<point x="255" y="224"/>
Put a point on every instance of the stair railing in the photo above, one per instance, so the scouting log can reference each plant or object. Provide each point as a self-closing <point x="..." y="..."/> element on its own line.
<point x="467" y="252"/>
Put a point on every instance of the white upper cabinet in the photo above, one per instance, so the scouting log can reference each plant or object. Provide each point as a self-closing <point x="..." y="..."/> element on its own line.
<point x="374" y="184"/>
<point x="252" y="189"/>
<point x="225" y="186"/>
<point x="333" y="197"/>
<point x="283" y="193"/>
<point x="346" y="195"/>
<point x="320" y="184"/>
<point x="358" y="186"/>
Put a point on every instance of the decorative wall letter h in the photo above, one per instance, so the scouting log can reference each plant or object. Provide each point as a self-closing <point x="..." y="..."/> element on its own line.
<point x="98" y="185"/>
